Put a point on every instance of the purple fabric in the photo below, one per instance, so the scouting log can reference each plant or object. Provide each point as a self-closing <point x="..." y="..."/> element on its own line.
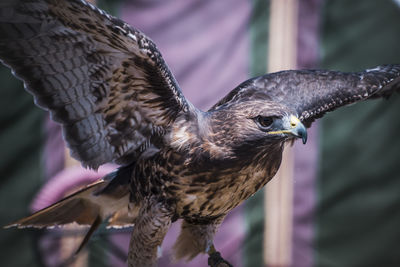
<point x="306" y="160"/>
<point x="204" y="42"/>
<point x="306" y="157"/>
<point x="67" y="180"/>
<point x="308" y="33"/>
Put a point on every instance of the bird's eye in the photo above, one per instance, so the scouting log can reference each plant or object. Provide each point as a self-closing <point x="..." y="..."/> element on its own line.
<point x="264" y="122"/>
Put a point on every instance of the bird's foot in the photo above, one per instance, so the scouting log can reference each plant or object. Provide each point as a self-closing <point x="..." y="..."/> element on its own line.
<point x="215" y="260"/>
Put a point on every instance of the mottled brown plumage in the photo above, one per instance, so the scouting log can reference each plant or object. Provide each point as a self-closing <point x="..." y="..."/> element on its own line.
<point x="108" y="86"/>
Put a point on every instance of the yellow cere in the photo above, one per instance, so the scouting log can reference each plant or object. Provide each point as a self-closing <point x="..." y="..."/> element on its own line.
<point x="294" y="121"/>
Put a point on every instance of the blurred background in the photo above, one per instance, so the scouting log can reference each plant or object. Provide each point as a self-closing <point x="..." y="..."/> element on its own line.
<point x="336" y="201"/>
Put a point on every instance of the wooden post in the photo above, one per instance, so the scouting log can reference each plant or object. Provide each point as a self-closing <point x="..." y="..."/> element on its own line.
<point x="279" y="192"/>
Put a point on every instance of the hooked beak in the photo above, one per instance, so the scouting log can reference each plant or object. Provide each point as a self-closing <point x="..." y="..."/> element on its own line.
<point x="300" y="131"/>
<point x="293" y="126"/>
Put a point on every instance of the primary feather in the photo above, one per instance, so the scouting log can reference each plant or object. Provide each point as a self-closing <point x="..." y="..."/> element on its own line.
<point x="105" y="82"/>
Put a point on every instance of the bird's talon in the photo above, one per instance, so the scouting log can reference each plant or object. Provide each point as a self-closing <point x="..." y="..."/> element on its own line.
<point x="215" y="260"/>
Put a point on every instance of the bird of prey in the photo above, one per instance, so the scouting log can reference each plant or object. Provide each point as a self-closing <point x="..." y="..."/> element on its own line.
<point x="108" y="86"/>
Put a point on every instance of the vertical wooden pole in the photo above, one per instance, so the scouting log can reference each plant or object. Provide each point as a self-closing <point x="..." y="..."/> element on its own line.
<point x="279" y="192"/>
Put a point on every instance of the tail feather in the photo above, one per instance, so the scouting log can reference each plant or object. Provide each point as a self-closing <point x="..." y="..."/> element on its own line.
<point x="78" y="207"/>
<point x="105" y="199"/>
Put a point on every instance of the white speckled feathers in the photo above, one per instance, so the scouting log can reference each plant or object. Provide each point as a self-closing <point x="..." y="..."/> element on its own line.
<point x="312" y="93"/>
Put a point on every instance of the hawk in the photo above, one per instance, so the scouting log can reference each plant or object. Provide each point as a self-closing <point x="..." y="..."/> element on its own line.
<point x="108" y="86"/>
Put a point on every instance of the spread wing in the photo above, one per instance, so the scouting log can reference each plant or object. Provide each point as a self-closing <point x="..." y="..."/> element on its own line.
<point x="104" y="81"/>
<point x="312" y="93"/>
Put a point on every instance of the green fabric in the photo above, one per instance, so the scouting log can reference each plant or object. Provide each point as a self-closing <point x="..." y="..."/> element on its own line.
<point x="111" y="6"/>
<point x="358" y="210"/>
<point x="21" y="175"/>
<point x="254" y="207"/>
<point x="99" y="248"/>
<point x="259" y="24"/>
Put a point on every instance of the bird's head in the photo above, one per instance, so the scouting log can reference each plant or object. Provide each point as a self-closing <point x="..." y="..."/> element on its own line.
<point x="253" y="124"/>
<point x="281" y="127"/>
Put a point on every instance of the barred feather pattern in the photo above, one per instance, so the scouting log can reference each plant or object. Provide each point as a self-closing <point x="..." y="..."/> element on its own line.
<point x="104" y="81"/>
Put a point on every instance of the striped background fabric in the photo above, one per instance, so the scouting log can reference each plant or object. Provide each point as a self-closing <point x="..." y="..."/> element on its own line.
<point x="343" y="199"/>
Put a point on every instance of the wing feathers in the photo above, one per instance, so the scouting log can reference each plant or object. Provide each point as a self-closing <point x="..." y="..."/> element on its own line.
<point x="383" y="80"/>
<point x="312" y="93"/>
<point x="104" y="81"/>
<point x="339" y="89"/>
